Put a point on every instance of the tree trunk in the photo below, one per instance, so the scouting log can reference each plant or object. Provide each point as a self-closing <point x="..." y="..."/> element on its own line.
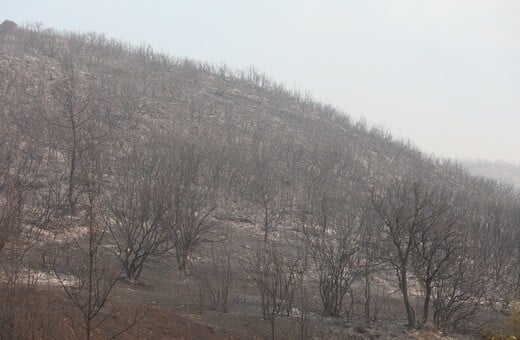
<point x="367" y="297"/>
<point x="266" y="222"/>
<point x="403" y="285"/>
<point x="426" y="307"/>
<point x="272" y="327"/>
<point x="72" y="170"/>
<point x="183" y="261"/>
<point x="131" y="274"/>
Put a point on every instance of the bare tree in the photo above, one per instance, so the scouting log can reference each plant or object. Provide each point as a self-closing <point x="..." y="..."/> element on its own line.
<point x="137" y="206"/>
<point x="93" y="277"/>
<point x="371" y="258"/>
<point x="335" y="248"/>
<point x="403" y="207"/>
<point x="437" y="242"/>
<point x="264" y="185"/>
<point x="188" y="218"/>
<point x="12" y="202"/>
<point x="24" y="212"/>
<point x="76" y="128"/>
<point x="458" y="291"/>
<point x="189" y="223"/>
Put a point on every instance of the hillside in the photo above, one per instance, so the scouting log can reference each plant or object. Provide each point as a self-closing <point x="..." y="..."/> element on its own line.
<point x="227" y="207"/>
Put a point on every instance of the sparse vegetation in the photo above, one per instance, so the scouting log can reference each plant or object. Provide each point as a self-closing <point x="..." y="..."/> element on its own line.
<point x="116" y="160"/>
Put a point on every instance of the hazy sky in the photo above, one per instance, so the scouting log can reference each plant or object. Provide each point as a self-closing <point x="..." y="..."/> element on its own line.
<point x="444" y="73"/>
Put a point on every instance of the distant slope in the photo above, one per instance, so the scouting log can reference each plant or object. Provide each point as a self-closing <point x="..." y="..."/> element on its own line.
<point x="501" y="171"/>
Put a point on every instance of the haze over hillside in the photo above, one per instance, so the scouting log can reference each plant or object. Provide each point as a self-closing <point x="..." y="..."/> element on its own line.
<point x="500" y="170"/>
<point x="149" y="196"/>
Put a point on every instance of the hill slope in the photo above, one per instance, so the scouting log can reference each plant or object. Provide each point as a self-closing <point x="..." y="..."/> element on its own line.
<point x="236" y="177"/>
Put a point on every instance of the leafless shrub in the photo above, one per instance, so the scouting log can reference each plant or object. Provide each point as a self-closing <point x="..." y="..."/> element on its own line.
<point x="275" y="274"/>
<point x="215" y="281"/>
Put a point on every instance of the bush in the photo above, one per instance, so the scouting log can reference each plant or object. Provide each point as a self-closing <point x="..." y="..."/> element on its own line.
<point x="8" y="26"/>
<point x="511" y="328"/>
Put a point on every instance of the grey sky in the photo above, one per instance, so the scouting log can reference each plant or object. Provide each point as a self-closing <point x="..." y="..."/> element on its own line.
<point x="444" y="73"/>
